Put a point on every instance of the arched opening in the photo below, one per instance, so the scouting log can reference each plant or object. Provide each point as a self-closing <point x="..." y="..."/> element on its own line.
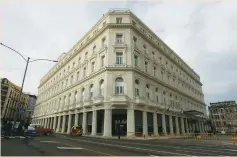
<point x="119" y="86"/>
<point x="91" y="91"/>
<point x="147" y="91"/>
<point x="82" y="94"/>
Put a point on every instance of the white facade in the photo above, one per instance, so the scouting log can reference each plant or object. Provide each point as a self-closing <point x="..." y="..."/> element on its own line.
<point x="120" y="67"/>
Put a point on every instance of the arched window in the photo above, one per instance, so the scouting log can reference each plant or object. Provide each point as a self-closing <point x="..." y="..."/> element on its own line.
<point x="64" y="100"/>
<point x="157" y="96"/>
<point x="102" y="87"/>
<point x="137" y="88"/>
<point x="147" y="91"/>
<point x="82" y="94"/>
<point x="91" y="91"/>
<point x="119" y="86"/>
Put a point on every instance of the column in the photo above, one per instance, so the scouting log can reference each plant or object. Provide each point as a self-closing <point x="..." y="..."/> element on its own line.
<point x="45" y="122"/>
<point x="130" y="122"/>
<point x="171" y="125"/>
<point x="164" y="124"/>
<point x="76" y="118"/>
<point x="94" y="123"/>
<point x="144" y="119"/>
<point x="186" y="122"/>
<point x="69" y="124"/>
<point x="51" y="122"/>
<point x="63" y="126"/>
<point x="59" y="123"/>
<point x="84" y="122"/>
<point x="108" y="123"/>
<point x="155" y="125"/>
<point x="177" y="125"/>
<point x="182" y="125"/>
<point x="54" y="122"/>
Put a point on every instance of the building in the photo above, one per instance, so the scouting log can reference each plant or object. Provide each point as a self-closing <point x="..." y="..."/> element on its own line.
<point x="10" y="97"/>
<point x="30" y="107"/>
<point x="121" y="75"/>
<point x="223" y="116"/>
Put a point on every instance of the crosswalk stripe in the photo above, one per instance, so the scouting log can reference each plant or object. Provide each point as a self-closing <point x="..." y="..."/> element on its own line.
<point x="69" y="148"/>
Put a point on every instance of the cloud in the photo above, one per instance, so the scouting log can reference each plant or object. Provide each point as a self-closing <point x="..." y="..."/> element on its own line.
<point x="203" y="34"/>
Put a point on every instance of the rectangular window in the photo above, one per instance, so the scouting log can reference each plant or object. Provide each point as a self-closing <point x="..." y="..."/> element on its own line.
<point x="71" y="79"/>
<point x="119" y="90"/>
<point x="146" y="66"/>
<point x="92" y="66"/>
<point x="119" y="58"/>
<point x="103" y="42"/>
<point x="94" y="47"/>
<point x="135" y="60"/>
<point x="147" y="95"/>
<point x="136" y="92"/>
<point x="154" y="71"/>
<point x="119" y="38"/>
<point x="157" y="99"/>
<point x="102" y="61"/>
<point x="78" y="75"/>
<point x="118" y="20"/>
<point x="84" y="72"/>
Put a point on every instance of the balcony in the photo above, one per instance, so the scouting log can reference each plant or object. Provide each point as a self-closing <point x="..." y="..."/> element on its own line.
<point x="88" y="101"/>
<point x="119" y="44"/>
<point x="140" y="100"/>
<point x="119" y="99"/>
<point x="98" y="99"/>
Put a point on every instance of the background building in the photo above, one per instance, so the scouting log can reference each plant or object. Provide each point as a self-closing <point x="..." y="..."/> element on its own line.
<point x="120" y="75"/>
<point x="10" y="97"/>
<point x="30" y="107"/>
<point x="223" y="115"/>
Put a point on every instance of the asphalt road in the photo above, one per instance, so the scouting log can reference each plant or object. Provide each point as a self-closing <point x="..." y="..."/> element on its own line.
<point x="61" y="145"/>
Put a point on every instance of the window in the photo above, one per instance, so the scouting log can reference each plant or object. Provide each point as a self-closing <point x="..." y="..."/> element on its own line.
<point x="103" y="42"/>
<point x="69" y="99"/>
<point x="119" y="58"/>
<point x="72" y="79"/>
<point x="119" y="86"/>
<point x="66" y="84"/>
<point x="84" y="72"/>
<point x="102" y="87"/>
<point x="86" y="54"/>
<point x="91" y="91"/>
<point x="92" y="66"/>
<point x="118" y="20"/>
<point x="153" y="54"/>
<point x="78" y="75"/>
<point x="147" y="91"/>
<point x="154" y="71"/>
<point x="82" y="94"/>
<point x="75" y="96"/>
<point x="157" y="99"/>
<point x="94" y="47"/>
<point x="68" y="68"/>
<point x="102" y="61"/>
<point x="137" y="88"/>
<point x="79" y="60"/>
<point x="73" y="65"/>
<point x="146" y="66"/>
<point x="134" y="40"/>
<point x="135" y="60"/>
<point x="119" y="38"/>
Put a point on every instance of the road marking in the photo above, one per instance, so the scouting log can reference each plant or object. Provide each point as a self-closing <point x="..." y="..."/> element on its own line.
<point x="98" y="152"/>
<point x="49" y="142"/>
<point x="151" y="150"/>
<point x="234" y="150"/>
<point x="69" y="148"/>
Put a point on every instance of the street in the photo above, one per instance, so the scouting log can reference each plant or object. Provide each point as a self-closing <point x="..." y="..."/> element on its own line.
<point x="61" y="145"/>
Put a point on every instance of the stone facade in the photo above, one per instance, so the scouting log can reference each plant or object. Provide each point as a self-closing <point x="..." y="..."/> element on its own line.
<point x="120" y="75"/>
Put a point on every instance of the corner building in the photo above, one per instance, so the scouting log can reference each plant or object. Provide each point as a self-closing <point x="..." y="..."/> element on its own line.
<point x="121" y="75"/>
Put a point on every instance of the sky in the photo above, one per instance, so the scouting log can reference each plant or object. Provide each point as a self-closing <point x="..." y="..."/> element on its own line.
<point x="203" y="34"/>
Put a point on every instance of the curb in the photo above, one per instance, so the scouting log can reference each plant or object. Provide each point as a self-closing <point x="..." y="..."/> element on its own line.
<point x="15" y="137"/>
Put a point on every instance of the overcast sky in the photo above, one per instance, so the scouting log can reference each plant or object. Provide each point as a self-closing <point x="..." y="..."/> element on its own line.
<point x="204" y="35"/>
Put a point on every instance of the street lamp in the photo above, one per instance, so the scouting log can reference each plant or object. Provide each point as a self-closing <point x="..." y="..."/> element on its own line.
<point x="27" y="62"/>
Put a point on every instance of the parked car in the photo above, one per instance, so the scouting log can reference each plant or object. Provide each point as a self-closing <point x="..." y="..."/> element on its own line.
<point x="37" y="129"/>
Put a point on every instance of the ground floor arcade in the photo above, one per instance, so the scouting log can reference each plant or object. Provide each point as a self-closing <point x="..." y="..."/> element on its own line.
<point x="130" y="122"/>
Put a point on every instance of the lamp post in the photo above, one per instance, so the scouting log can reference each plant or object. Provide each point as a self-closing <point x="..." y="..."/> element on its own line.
<point x="23" y="81"/>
